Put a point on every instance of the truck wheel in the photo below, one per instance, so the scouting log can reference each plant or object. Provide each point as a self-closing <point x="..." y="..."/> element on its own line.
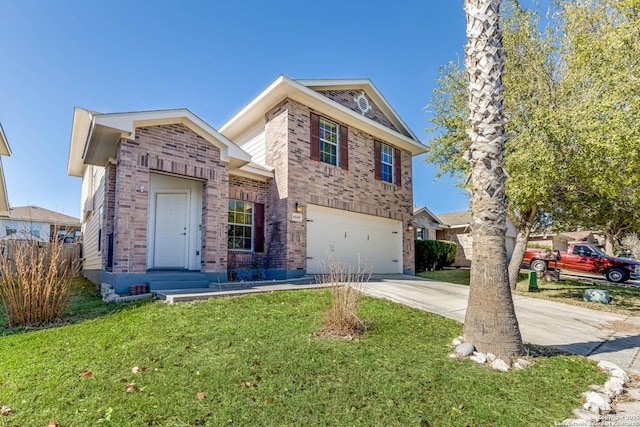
<point x="616" y="275"/>
<point x="539" y="265"/>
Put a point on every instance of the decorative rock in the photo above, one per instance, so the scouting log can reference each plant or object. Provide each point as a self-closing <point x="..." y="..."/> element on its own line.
<point x="111" y="298"/>
<point x="620" y="374"/>
<point x="491" y="357"/>
<point x="607" y="366"/>
<point x="583" y="415"/>
<point x="500" y="365"/>
<point x="478" y="357"/>
<point x="453" y="355"/>
<point x="521" y="364"/>
<point x="615" y="385"/>
<point x="596" y="402"/>
<point x="464" y="349"/>
<point x="457" y="341"/>
<point x="600" y="389"/>
<point x="596" y="295"/>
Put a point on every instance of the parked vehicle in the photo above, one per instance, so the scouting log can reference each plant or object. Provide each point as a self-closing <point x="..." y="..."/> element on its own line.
<point x="584" y="257"/>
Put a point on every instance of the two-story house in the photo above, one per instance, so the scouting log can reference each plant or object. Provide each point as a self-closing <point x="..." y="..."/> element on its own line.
<point x="308" y="168"/>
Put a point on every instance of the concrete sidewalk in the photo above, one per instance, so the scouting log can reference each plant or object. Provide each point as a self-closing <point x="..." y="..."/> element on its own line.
<point x="598" y="335"/>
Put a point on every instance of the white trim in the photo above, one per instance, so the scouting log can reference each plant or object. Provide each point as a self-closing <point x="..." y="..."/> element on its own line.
<point x="284" y="87"/>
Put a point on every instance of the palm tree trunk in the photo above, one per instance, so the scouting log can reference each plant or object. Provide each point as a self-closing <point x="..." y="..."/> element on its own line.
<point x="490" y="324"/>
<point x="522" y="238"/>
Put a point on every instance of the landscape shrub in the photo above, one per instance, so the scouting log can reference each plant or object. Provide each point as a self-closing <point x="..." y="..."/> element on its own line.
<point x="346" y="284"/>
<point x="34" y="282"/>
<point x="539" y="246"/>
<point x="434" y="254"/>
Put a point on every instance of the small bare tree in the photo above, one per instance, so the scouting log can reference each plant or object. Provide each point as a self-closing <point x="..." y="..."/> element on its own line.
<point x="631" y="243"/>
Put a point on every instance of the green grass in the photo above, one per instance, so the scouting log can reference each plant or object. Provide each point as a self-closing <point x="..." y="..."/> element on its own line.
<point x="258" y="362"/>
<point x="625" y="299"/>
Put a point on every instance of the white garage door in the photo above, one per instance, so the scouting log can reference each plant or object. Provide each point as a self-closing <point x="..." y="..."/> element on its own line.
<point x="377" y="240"/>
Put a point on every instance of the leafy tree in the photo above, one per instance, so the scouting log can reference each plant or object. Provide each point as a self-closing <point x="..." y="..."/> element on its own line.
<point x="531" y="100"/>
<point x="490" y="323"/>
<point x="601" y="81"/>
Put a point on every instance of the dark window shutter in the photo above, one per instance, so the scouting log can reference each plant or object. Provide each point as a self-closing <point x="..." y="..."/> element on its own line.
<point x="397" y="158"/>
<point x="315" y="137"/>
<point x="377" y="160"/>
<point x="344" y="147"/>
<point x="258" y="227"/>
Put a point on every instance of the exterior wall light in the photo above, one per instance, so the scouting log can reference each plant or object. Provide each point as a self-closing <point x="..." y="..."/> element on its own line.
<point x="409" y="227"/>
<point x="298" y="207"/>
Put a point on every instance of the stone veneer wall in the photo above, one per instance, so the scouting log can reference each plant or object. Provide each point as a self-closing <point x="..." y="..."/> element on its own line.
<point x="300" y="179"/>
<point x="177" y="150"/>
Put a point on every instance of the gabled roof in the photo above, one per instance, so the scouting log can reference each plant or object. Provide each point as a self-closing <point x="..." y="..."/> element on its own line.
<point x="94" y="136"/>
<point x="5" y="150"/>
<point x="4" y="144"/>
<point x="422" y="210"/>
<point x="305" y="92"/>
<point x="38" y="214"/>
<point x="456" y="219"/>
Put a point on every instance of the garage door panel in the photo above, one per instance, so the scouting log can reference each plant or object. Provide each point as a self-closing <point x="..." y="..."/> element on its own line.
<point x="345" y="235"/>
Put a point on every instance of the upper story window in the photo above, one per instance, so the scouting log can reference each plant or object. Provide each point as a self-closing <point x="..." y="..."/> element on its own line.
<point x="387" y="163"/>
<point x="329" y="142"/>
<point x="386" y="158"/>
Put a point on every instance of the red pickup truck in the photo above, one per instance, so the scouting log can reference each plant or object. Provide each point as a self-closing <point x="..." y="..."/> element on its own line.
<point x="584" y="257"/>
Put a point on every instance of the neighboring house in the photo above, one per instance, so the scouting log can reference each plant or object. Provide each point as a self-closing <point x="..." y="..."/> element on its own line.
<point x="308" y="168"/>
<point x="39" y="224"/>
<point x="560" y="241"/>
<point x="427" y="225"/>
<point x="459" y="231"/>
<point x="4" y="151"/>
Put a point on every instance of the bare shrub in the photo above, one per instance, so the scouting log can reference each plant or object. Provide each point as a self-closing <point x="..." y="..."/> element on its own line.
<point x="35" y="282"/>
<point x="346" y="286"/>
<point x="631" y="243"/>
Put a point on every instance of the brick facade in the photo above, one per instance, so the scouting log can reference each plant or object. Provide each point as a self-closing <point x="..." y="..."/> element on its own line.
<point x="348" y="99"/>
<point x="302" y="180"/>
<point x="176" y="150"/>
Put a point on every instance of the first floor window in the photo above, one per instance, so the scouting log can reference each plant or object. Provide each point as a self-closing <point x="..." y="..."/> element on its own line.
<point x="240" y="225"/>
<point x="420" y="234"/>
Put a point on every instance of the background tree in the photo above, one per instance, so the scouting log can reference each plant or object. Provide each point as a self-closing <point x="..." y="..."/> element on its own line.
<point x="601" y="80"/>
<point x="490" y="323"/>
<point x="531" y="100"/>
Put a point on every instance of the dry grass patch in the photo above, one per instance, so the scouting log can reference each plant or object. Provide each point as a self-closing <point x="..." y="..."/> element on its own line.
<point x="346" y="286"/>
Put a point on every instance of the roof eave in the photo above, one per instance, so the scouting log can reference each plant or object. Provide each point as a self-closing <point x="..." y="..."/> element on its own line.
<point x="5" y="150"/>
<point x="284" y="87"/>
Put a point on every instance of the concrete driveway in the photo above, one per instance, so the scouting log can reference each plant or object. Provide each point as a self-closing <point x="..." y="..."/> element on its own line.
<point x="592" y="333"/>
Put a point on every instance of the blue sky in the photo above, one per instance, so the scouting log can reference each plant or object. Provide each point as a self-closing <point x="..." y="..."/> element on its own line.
<point x="211" y="57"/>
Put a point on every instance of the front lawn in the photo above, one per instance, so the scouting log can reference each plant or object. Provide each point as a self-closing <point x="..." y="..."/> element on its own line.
<point x="625" y="299"/>
<point x="255" y="360"/>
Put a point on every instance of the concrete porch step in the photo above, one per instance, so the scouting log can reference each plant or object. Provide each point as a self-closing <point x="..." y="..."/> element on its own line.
<point x="163" y="285"/>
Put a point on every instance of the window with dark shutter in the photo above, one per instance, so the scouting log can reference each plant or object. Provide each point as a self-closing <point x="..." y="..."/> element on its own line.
<point x="376" y="159"/>
<point x="344" y="147"/>
<point x="396" y="165"/>
<point x="258" y="227"/>
<point x="315" y="137"/>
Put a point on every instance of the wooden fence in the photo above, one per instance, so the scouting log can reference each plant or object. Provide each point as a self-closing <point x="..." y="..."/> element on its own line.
<point x="70" y="253"/>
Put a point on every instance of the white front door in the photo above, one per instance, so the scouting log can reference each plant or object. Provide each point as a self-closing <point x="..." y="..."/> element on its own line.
<point x="170" y="242"/>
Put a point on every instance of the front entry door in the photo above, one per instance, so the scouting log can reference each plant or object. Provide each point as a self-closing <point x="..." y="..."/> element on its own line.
<point x="170" y="243"/>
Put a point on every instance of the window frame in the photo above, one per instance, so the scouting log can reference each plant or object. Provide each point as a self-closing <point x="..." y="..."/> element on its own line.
<point x="387" y="157"/>
<point x="323" y="122"/>
<point x="231" y="225"/>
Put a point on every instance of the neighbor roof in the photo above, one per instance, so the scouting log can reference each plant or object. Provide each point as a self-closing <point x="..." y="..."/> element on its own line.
<point x="94" y="136"/>
<point x="422" y="209"/>
<point x="38" y="214"/>
<point x="456" y="219"/>
<point x="4" y="151"/>
<point x="305" y="91"/>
